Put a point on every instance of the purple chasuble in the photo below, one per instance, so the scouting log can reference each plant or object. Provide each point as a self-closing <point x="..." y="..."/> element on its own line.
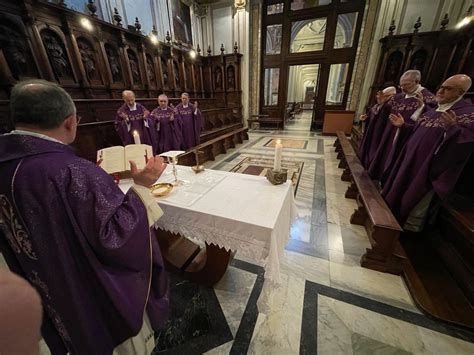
<point x="374" y="127"/>
<point x="169" y="132"/>
<point x="432" y="159"/>
<point x="136" y="122"/>
<point x="388" y="150"/>
<point x="68" y="229"/>
<point x="191" y="125"/>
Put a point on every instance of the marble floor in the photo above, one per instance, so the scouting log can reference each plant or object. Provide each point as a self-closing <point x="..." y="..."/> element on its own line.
<point x="327" y="303"/>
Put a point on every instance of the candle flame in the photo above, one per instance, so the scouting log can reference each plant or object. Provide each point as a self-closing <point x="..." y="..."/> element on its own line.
<point x="135" y="133"/>
<point x="278" y="141"/>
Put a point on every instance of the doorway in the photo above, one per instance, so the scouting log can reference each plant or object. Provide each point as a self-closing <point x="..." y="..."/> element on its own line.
<point x="301" y="93"/>
<point x="309" y="53"/>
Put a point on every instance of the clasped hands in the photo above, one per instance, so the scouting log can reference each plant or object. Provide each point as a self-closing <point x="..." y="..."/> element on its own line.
<point x="447" y="119"/>
<point x="148" y="175"/>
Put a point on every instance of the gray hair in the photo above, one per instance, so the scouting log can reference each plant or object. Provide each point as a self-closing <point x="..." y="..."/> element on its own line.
<point x="415" y="75"/>
<point x="40" y="103"/>
<point x="390" y="90"/>
<point x="163" y="96"/>
<point x="128" y="92"/>
<point x="185" y="94"/>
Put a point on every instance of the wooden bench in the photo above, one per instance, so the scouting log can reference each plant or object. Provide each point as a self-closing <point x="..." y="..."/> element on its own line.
<point x="373" y="213"/>
<point x="210" y="149"/>
<point x="437" y="264"/>
<point x="258" y="119"/>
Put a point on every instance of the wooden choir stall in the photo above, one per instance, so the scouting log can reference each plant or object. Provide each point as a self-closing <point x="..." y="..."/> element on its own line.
<point x="438" y="263"/>
<point x="94" y="61"/>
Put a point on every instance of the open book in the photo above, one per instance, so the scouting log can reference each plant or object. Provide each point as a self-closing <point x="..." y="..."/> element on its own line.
<point x="116" y="159"/>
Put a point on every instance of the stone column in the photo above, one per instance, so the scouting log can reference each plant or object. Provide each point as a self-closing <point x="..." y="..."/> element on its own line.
<point x="378" y="16"/>
<point x="254" y="56"/>
<point x="241" y="36"/>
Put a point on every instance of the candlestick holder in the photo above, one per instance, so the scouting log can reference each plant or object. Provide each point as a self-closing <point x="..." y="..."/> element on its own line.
<point x="197" y="168"/>
<point x="276" y="177"/>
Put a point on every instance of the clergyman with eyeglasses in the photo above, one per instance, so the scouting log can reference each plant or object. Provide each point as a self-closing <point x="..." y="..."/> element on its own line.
<point x="439" y="145"/>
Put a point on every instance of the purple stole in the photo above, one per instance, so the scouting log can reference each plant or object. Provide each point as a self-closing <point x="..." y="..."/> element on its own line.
<point x="169" y="133"/>
<point x="191" y="125"/>
<point x="84" y="245"/>
<point x="432" y="159"/>
<point x="388" y="150"/>
<point x="136" y="122"/>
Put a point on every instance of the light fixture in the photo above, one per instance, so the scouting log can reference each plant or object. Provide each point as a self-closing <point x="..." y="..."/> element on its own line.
<point x="153" y="38"/>
<point x="192" y="54"/>
<point x="468" y="18"/>
<point x="86" y="24"/>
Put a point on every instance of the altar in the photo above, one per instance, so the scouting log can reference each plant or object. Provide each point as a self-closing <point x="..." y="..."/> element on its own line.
<point x="241" y="213"/>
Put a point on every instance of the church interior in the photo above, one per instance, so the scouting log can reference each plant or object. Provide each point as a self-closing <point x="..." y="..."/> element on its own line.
<point x="320" y="262"/>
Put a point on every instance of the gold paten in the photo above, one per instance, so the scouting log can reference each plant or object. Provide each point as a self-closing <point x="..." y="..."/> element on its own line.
<point x="161" y="189"/>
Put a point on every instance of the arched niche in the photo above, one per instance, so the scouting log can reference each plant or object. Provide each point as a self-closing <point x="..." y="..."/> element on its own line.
<point x="418" y="59"/>
<point x="231" y="77"/>
<point x="57" y="55"/>
<point x="16" y="50"/>
<point x="134" y="66"/>
<point x="115" y="65"/>
<point x="150" y="70"/>
<point x="217" y="74"/>
<point x="89" y="59"/>
<point x="394" y="64"/>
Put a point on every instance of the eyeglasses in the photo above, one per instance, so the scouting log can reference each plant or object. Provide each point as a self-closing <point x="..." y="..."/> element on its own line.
<point x="78" y="118"/>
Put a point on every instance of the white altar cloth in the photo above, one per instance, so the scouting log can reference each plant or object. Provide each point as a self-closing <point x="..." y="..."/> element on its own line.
<point x="244" y="213"/>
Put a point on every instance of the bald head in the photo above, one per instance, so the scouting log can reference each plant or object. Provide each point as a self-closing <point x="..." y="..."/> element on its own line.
<point x="462" y="81"/>
<point x="128" y="93"/>
<point x="128" y="97"/>
<point x="385" y="94"/>
<point x="40" y="103"/>
<point x="453" y="88"/>
<point x="391" y="90"/>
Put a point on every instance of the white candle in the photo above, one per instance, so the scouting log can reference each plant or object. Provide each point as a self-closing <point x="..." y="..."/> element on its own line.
<point x="136" y="137"/>
<point x="278" y="153"/>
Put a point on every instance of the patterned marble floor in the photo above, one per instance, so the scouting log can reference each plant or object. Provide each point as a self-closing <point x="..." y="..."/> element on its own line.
<point x="327" y="303"/>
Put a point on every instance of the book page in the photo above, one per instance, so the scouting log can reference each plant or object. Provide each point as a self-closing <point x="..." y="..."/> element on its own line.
<point x="112" y="159"/>
<point x="139" y="153"/>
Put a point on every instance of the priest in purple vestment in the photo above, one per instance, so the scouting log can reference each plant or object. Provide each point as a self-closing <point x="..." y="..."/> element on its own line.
<point x="167" y="126"/>
<point x="68" y="229"/>
<point x="131" y="117"/>
<point x="434" y="156"/>
<point x="410" y="103"/>
<point x="190" y="119"/>
<point x="374" y="125"/>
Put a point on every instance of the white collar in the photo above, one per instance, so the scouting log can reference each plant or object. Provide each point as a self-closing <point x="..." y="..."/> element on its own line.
<point x="446" y="107"/>
<point x="185" y="106"/>
<point x="413" y="94"/>
<point x="35" y="134"/>
<point x="133" y="108"/>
